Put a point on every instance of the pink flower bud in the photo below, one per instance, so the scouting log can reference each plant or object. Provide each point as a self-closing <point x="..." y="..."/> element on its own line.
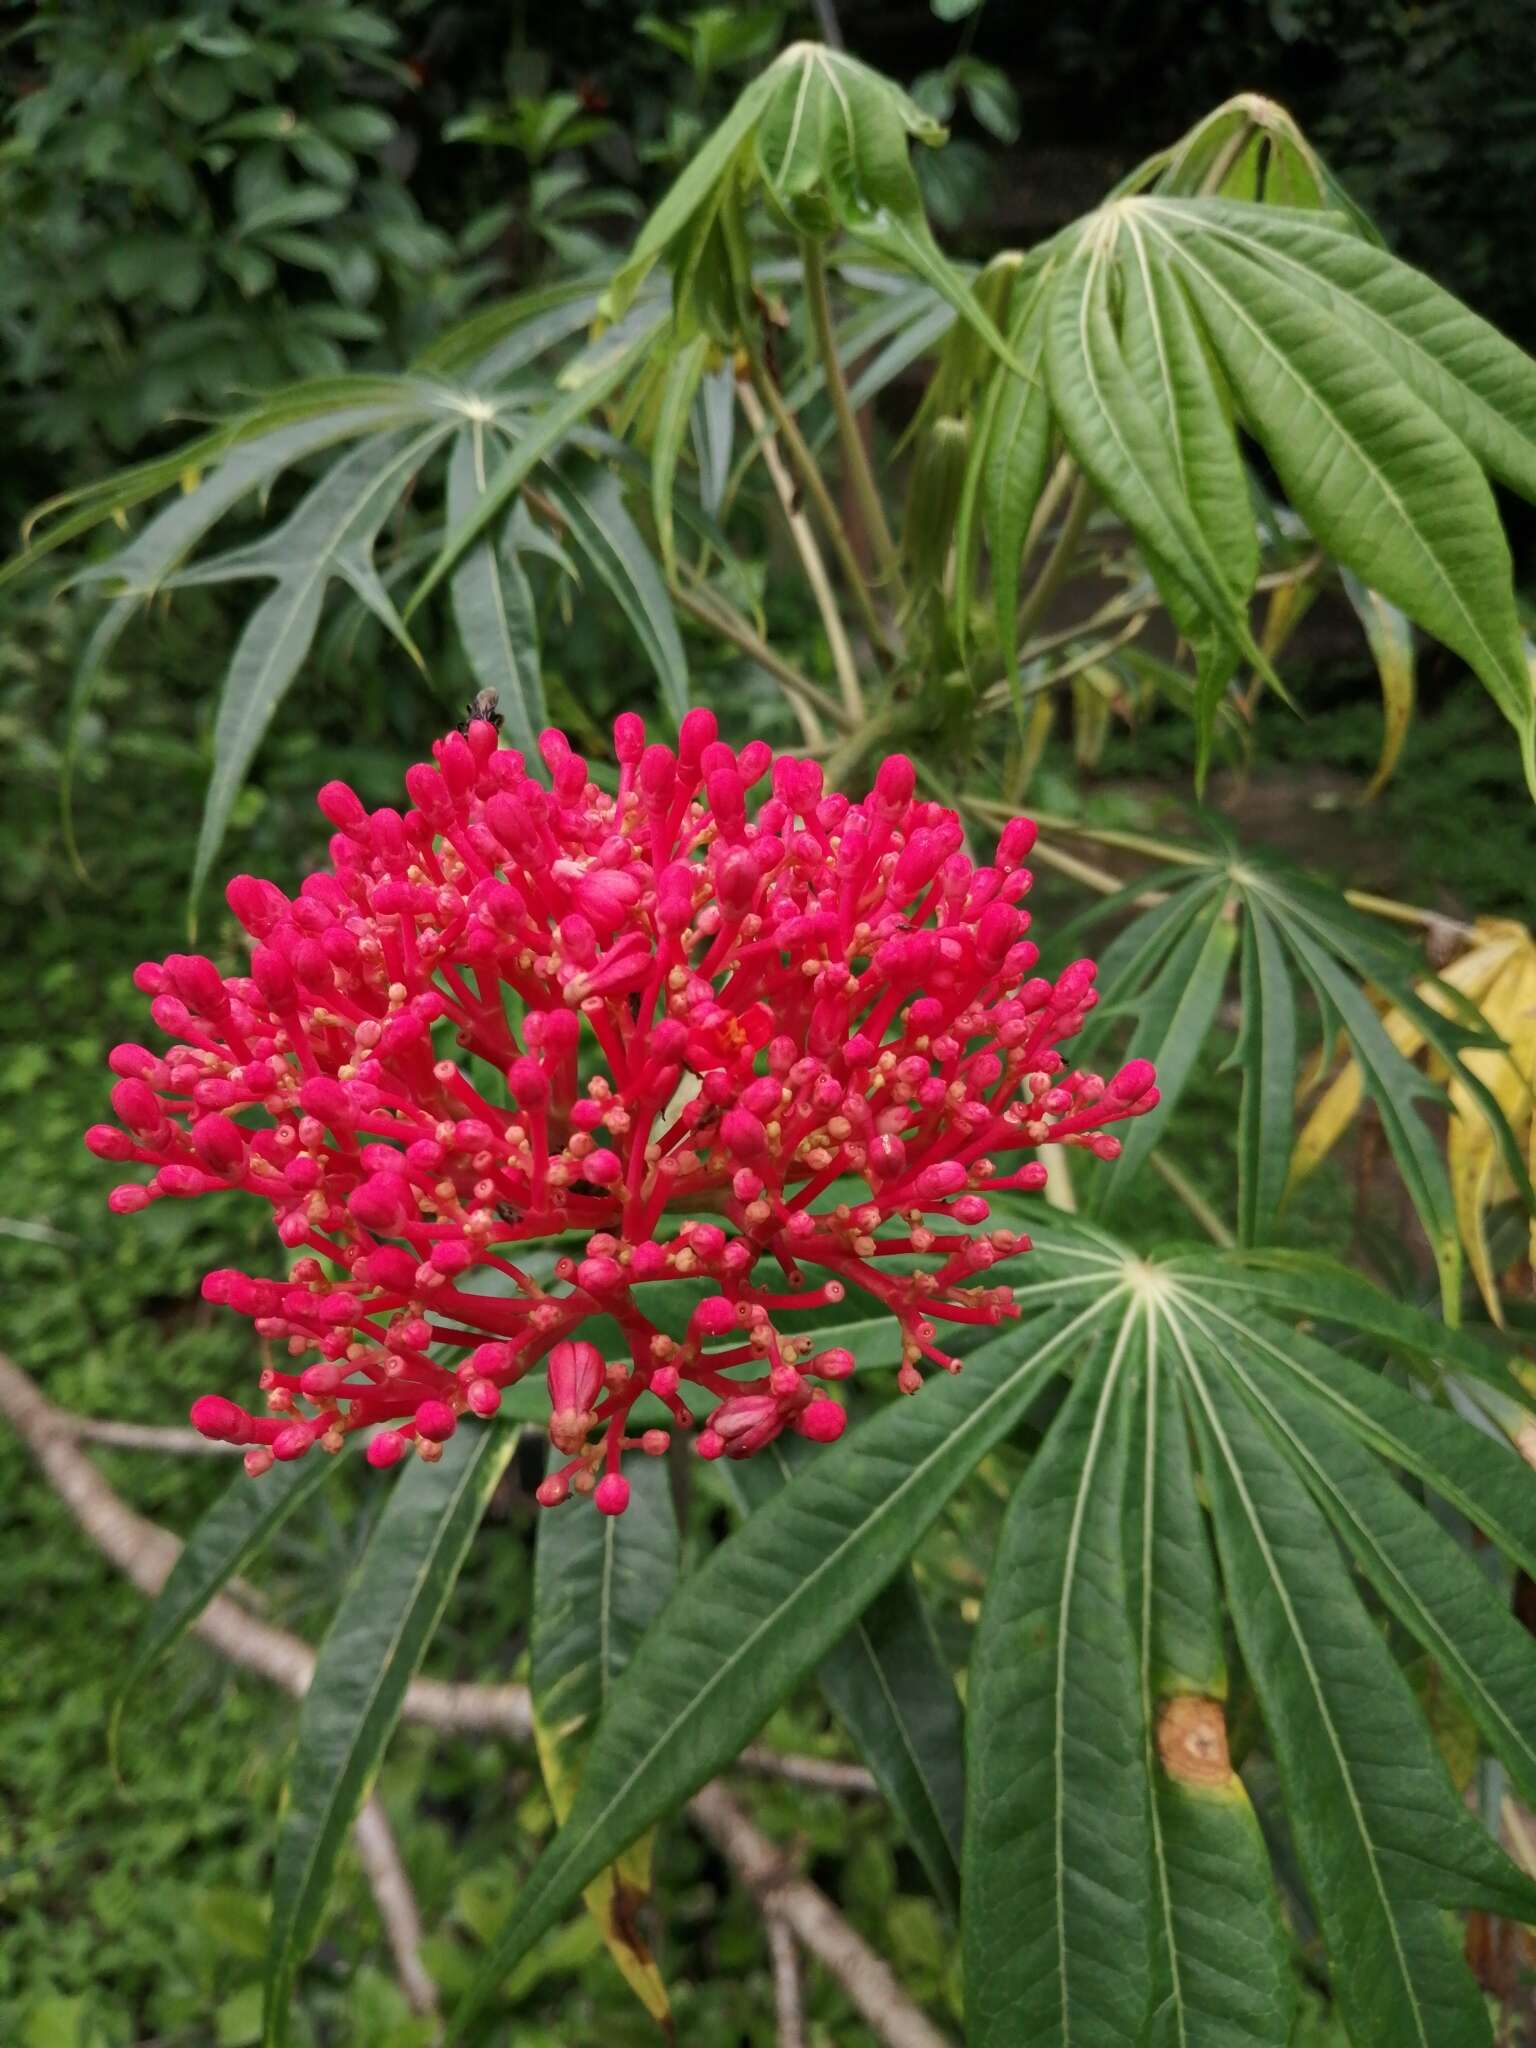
<point x="611" y="1496"/>
<point x="108" y="1142"/>
<point x="823" y="1422"/>
<point x="220" y="1420"/>
<point x="832" y="1364"/>
<point x="387" y="1449"/>
<point x="575" y="1375"/>
<point x="436" y="1421"/>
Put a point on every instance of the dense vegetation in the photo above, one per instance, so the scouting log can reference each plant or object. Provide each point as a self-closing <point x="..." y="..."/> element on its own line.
<point x="257" y="194"/>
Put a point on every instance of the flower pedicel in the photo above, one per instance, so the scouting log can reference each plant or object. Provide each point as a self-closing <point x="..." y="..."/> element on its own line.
<point x="722" y="1027"/>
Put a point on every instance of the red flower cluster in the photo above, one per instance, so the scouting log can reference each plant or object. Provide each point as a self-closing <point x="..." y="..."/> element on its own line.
<point x="522" y="1013"/>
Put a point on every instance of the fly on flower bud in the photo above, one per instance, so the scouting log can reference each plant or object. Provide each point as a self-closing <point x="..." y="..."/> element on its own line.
<point x="725" y="1030"/>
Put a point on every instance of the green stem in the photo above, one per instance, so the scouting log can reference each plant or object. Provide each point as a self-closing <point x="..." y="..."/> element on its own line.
<point x="1057" y="563"/>
<point x="855" y="454"/>
<point x="815" y="486"/>
<point x="1198" y="1207"/>
<point x="718" y="616"/>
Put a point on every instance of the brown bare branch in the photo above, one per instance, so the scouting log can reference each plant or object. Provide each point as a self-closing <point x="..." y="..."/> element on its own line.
<point x="817" y="1925"/>
<point x="392" y="1894"/>
<point x="788" y="2006"/>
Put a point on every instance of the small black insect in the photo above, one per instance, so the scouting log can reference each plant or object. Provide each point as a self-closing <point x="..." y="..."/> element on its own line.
<point x="482" y="706"/>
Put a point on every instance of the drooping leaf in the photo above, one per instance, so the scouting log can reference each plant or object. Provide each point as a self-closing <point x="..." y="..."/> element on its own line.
<point x="673" y="412"/>
<point x="599" y="1582"/>
<point x="768" y="1605"/>
<point x="1378" y="476"/>
<point x="591" y="502"/>
<point x="1389" y="635"/>
<point x="387" y="1617"/>
<point x="493" y="606"/>
<point x="1266" y="1054"/>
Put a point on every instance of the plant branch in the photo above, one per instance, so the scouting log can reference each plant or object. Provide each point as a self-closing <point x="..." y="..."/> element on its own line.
<point x="810" y="557"/>
<point x="1054" y="570"/>
<point x="711" y="611"/>
<point x="788" y="2006"/>
<point x="816" y="1923"/>
<point x="391" y="1887"/>
<point x="815" y="486"/>
<point x="1184" y="1188"/>
<point x="855" y="454"/>
<point x="144" y="1553"/>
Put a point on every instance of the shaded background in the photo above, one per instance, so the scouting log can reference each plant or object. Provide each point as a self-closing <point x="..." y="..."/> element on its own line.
<point x="199" y="203"/>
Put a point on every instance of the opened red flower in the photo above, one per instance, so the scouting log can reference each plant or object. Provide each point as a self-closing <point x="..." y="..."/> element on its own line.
<point x="778" y="1051"/>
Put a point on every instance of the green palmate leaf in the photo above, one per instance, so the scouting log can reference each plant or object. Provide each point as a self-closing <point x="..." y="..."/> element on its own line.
<point x="1221" y="1974"/>
<point x="66" y="517"/>
<point x="1480" y="1476"/>
<point x="543" y="437"/>
<point x="1167" y="359"/>
<point x="1478" y="381"/>
<point x="234" y="1529"/>
<point x="1389" y="634"/>
<point x="591" y="502"/>
<point x="1376" y="474"/>
<point x="387" y="1617"/>
<point x="1383" y="1840"/>
<point x="888" y="1685"/>
<point x="1266" y="1053"/>
<point x="694" y="189"/>
<point x="1056" y="1826"/>
<point x="331" y="534"/>
<point x="599" y="1582"/>
<point x="1174" y="1018"/>
<point x="1123" y="445"/>
<point x="770" y="1603"/>
<point x="1432" y="1583"/>
<point x="493" y="606"/>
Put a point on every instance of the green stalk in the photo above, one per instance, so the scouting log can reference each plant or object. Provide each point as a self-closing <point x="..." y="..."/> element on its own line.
<point x="712" y="612"/>
<point x="855" y="454"/>
<point x="1057" y="563"/>
<point x="814" y="485"/>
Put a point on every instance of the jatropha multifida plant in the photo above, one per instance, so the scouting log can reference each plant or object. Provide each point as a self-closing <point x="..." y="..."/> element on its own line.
<point x="602" y="1094"/>
<point x="673" y="1027"/>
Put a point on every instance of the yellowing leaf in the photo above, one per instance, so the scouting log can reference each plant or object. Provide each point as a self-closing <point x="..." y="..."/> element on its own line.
<point x="1497" y="973"/>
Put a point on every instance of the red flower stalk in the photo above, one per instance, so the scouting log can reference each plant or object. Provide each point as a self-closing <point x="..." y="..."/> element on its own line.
<point x="520" y="1013"/>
